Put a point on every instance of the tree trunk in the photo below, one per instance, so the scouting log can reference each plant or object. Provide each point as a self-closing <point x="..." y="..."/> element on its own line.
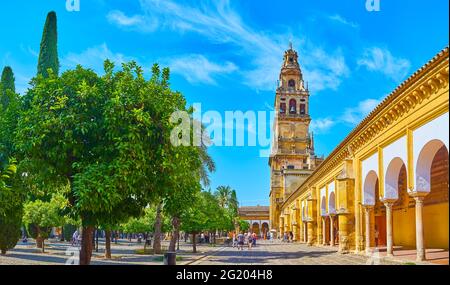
<point x="96" y="240"/>
<point x="62" y="234"/>
<point x="43" y="245"/>
<point x="194" y="243"/>
<point x="38" y="237"/>
<point x="86" y="245"/>
<point x="157" y="235"/>
<point x="108" y="244"/>
<point x="176" y="232"/>
<point x="38" y="242"/>
<point x="3" y="252"/>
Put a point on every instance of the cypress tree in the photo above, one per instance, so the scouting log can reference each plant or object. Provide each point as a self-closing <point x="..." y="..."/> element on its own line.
<point x="48" y="56"/>
<point x="6" y="83"/>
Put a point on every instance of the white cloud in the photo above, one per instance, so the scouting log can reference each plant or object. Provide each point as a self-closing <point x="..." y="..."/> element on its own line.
<point x="263" y="51"/>
<point x="198" y="69"/>
<point x="351" y="116"/>
<point x="338" y="18"/>
<point x="137" y="22"/>
<point x="323" y="125"/>
<point x="94" y="58"/>
<point x="325" y="70"/>
<point x="381" y="60"/>
<point x="356" y="114"/>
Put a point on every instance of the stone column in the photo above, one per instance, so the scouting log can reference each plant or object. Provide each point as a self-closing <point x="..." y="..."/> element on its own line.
<point x="305" y="232"/>
<point x="419" y="228"/>
<point x="294" y="231"/>
<point x="389" y="241"/>
<point x="311" y="234"/>
<point x="324" y="230"/>
<point x="319" y="231"/>
<point x="331" y="230"/>
<point x="368" y="210"/>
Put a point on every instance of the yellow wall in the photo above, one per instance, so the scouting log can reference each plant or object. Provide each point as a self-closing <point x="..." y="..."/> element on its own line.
<point x="404" y="227"/>
<point x="435" y="225"/>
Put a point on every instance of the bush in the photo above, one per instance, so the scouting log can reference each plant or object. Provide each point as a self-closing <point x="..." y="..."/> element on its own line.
<point x="10" y="229"/>
<point x="68" y="231"/>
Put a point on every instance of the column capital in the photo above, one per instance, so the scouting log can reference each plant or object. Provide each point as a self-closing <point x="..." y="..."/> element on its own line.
<point x="389" y="202"/>
<point x="418" y="196"/>
<point x="414" y="194"/>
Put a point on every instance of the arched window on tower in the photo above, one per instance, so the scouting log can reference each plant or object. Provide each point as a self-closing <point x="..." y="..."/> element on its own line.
<point x="292" y="106"/>
<point x="282" y="108"/>
<point x="302" y="109"/>
<point x="291" y="83"/>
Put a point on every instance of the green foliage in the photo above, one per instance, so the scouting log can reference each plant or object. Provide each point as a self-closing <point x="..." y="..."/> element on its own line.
<point x="205" y="214"/>
<point x="108" y="138"/>
<point x="243" y="226"/>
<point x="40" y="216"/>
<point x="68" y="230"/>
<point x="48" y="56"/>
<point x="10" y="209"/>
<point x="227" y="199"/>
<point x="10" y="109"/>
<point x="7" y="84"/>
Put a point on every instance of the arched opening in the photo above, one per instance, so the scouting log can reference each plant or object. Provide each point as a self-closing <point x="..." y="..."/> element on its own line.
<point x="392" y="178"/>
<point x="323" y="206"/>
<point x="291" y="83"/>
<point x="369" y="188"/>
<point x="403" y="213"/>
<point x="292" y="106"/>
<point x="302" y="109"/>
<point x="255" y="228"/>
<point x="331" y="204"/>
<point x="377" y="218"/>
<point x="380" y="219"/>
<point x="333" y="220"/>
<point x="265" y="229"/>
<point x="282" y="108"/>
<point x="432" y="172"/>
<point x="424" y="163"/>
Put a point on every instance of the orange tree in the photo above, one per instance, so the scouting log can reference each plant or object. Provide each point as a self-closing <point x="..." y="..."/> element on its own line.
<point x="103" y="136"/>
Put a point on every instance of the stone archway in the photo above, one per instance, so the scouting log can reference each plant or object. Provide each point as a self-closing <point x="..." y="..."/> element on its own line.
<point x="265" y="229"/>
<point x="255" y="228"/>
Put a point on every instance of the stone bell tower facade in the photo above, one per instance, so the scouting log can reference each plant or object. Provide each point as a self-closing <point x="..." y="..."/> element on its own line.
<point x="292" y="158"/>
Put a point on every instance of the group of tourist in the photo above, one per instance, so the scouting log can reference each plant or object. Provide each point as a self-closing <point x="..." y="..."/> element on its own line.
<point x="288" y="237"/>
<point x="241" y="239"/>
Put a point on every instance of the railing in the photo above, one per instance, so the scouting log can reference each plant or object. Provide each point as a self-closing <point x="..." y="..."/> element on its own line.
<point x="282" y="151"/>
<point x="296" y="115"/>
<point x="295" y="139"/>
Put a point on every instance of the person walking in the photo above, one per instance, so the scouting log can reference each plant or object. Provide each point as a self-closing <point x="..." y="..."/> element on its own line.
<point x="249" y="241"/>
<point x="240" y="239"/>
<point x="254" y="239"/>
<point x="377" y="235"/>
<point x="75" y="238"/>
<point x="234" y="239"/>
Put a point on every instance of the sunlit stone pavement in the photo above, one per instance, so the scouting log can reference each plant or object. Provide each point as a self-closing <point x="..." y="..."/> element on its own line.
<point x="278" y="253"/>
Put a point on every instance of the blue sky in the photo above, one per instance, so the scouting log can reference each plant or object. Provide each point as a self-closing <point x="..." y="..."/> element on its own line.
<point x="226" y="55"/>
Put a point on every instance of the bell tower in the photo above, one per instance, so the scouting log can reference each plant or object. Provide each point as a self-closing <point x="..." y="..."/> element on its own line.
<point x="292" y="157"/>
